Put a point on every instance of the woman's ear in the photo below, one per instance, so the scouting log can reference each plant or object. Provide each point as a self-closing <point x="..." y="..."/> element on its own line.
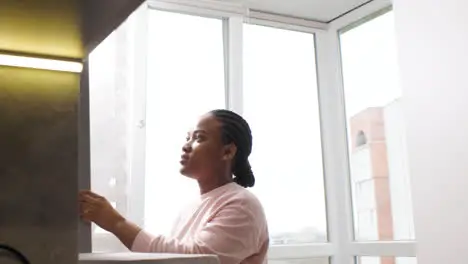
<point x="229" y="152"/>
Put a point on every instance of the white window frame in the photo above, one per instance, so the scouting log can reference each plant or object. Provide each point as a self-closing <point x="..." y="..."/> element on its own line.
<point x="347" y="246"/>
<point x="341" y="248"/>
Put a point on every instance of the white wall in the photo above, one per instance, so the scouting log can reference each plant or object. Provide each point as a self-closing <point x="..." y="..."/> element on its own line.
<point x="433" y="51"/>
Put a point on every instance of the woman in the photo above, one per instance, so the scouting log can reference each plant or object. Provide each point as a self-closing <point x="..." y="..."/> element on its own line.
<point x="227" y="221"/>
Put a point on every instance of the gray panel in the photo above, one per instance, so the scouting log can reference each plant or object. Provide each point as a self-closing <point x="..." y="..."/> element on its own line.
<point x="38" y="163"/>
<point x="84" y="161"/>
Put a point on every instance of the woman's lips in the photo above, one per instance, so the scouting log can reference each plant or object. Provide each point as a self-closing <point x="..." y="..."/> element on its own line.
<point x="183" y="159"/>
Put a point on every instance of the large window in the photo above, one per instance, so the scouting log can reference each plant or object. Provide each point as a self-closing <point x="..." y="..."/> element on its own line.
<point x="185" y="80"/>
<point x="281" y="104"/>
<point x="327" y="200"/>
<point x="376" y="132"/>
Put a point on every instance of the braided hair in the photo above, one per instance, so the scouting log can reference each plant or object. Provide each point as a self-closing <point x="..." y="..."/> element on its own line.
<point x="236" y="130"/>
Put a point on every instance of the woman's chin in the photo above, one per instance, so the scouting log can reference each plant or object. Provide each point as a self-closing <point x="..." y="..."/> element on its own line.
<point x="184" y="171"/>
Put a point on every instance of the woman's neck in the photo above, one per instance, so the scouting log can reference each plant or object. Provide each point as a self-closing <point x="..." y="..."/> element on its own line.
<point x="208" y="186"/>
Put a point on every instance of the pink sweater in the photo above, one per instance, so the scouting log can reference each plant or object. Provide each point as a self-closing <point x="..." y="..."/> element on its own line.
<point x="228" y="222"/>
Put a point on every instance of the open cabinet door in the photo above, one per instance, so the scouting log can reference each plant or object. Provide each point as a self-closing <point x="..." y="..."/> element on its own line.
<point x="99" y="20"/>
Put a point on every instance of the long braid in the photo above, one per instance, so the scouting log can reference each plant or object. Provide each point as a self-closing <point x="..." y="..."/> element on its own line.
<point x="236" y="130"/>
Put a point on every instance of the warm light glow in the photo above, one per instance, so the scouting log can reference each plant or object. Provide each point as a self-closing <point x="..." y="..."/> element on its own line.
<point x="39" y="63"/>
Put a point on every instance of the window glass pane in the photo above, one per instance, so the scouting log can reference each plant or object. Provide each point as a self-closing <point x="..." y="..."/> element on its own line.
<point x="376" y="132"/>
<point x="185" y="80"/>
<point x="281" y="105"/>
<point x="386" y="260"/>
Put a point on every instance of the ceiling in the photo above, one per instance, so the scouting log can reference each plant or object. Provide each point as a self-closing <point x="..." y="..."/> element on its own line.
<point x="317" y="10"/>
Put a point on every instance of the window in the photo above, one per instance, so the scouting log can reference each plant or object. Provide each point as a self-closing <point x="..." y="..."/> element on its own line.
<point x="281" y="105"/>
<point x="144" y="98"/>
<point x="377" y="147"/>
<point x="185" y="80"/>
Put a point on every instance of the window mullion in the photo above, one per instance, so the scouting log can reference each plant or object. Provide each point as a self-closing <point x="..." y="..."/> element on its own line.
<point x="334" y="142"/>
<point x="226" y="61"/>
<point x="233" y="63"/>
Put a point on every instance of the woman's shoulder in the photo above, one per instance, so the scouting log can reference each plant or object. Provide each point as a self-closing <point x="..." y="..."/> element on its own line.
<point x="233" y="197"/>
<point x="244" y="206"/>
<point x="237" y="204"/>
<point x="241" y="196"/>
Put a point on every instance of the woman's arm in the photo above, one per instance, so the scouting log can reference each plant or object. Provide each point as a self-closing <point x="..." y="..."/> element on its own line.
<point x="95" y="208"/>
<point x="126" y="232"/>
<point x="233" y="235"/>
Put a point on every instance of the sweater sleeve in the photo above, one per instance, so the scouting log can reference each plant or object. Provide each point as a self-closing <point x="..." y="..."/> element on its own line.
<point x="232" y="235"/>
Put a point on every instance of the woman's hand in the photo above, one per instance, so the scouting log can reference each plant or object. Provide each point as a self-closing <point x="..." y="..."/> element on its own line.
<point x="95" y="208"/>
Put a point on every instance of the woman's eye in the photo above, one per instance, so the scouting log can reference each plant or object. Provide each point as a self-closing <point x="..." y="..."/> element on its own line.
<point x="198" y="138"/>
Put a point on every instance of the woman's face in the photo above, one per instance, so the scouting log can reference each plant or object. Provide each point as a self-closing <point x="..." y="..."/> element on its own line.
<point x="204" y="154"/>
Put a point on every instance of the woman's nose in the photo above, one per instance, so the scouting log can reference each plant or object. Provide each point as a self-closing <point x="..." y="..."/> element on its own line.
<point x="187" y="147"/>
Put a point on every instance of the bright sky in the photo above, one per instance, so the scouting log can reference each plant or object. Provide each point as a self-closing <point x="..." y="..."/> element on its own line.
<point x="186" y="79"/>
<point x="370" y="65"/>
